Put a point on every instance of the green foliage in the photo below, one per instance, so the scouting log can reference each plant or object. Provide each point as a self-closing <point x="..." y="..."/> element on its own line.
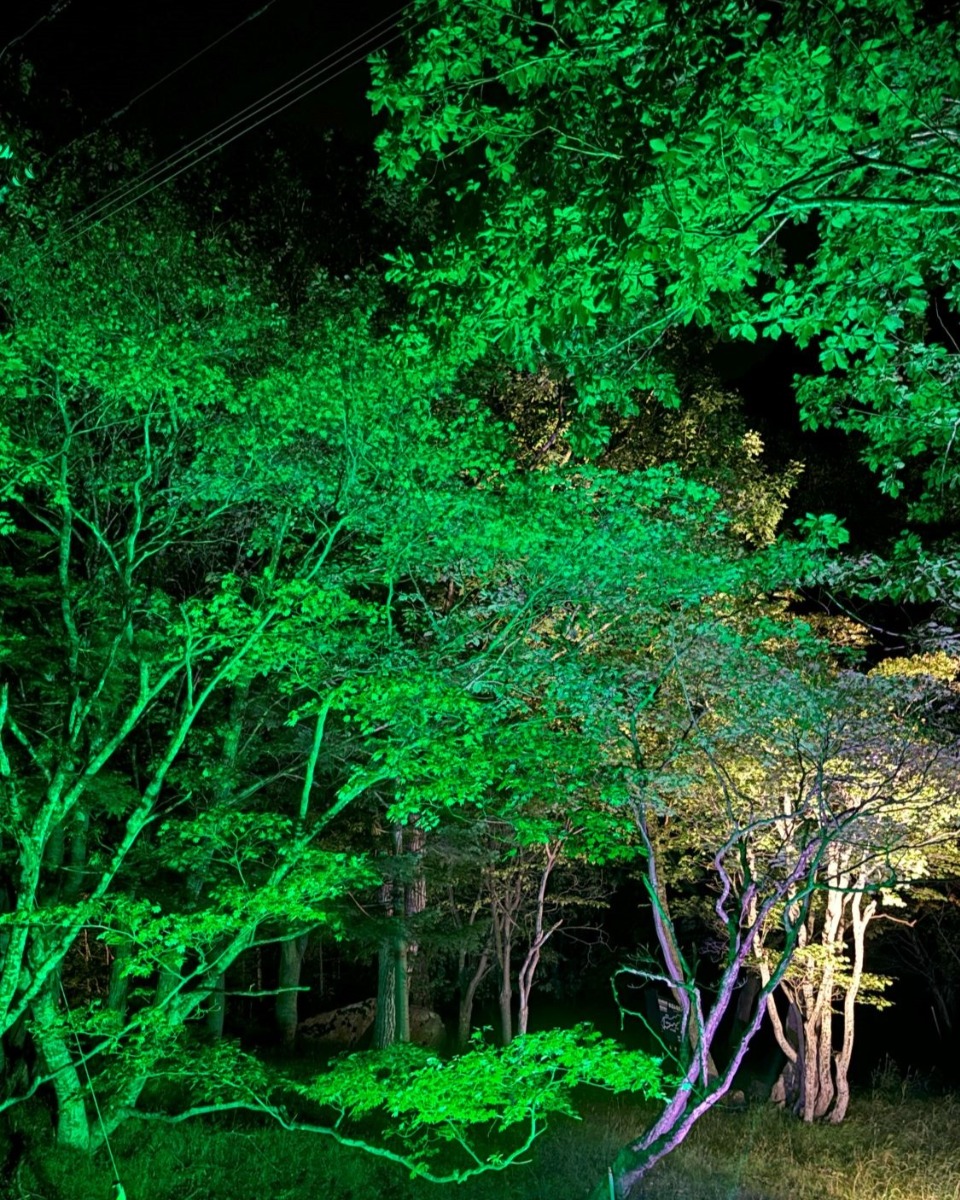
<point x="230" y="532"/>
<point x="618" y="172"/>
<point x="264" y="567"/>
<point x="531" y="1078"/>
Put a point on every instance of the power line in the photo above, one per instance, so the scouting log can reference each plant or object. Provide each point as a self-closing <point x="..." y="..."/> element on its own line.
<point x="162" y="172"/>
<point x="193" y="58"/>
<point x="158" y="83"/>
<point x="53" y="11"/>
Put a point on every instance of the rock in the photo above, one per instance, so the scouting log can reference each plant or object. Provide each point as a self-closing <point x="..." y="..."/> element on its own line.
<point x="426" y="1028"/>
<point x="345" y="1028"/>
<point x="341" y="1028"/>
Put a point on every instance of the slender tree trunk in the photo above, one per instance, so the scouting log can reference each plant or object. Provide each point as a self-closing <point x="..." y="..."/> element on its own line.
<point x="415" y="903"/>
<point x="119" y="983"/>
<point x="287" y="1006"/>
<point x="688" y="1103"/>
<point x="216" y="1006"/>
<point x="678" y="971"/>
<point x="812" y="1033"/>
<point x="505" y="1001"/>
<point x="401" y="900"/>
<point x="502" y="925"/>
<point x="401" y="980"/>
<point x="468" y="993"/>
<point x="385" y="1021"/>
<point x="78" y="857"/>
<point x="392" y="992"/>
<point x="832" y="941"/>
<point x="504" y="896"/>
<point x="860" y="919"/>
<point x="468" y="981"/>
<point x="788" y="1090"/>
<point x="541" y="935"/>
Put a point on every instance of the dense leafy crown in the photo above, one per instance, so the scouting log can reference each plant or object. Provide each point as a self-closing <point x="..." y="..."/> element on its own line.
<point x="617" y="171"/>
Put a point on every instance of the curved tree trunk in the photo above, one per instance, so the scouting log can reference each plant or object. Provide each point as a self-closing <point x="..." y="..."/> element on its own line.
<point x="541" y="935"/>
<point x="468" y="993"/>
<point x="56" y="1059"/>
<point x="788" y="1090"/>
<point x="468" y="981"/>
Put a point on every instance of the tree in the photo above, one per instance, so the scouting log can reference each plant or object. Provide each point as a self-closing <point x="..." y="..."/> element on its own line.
<point x="147" y="575"/>
<point x="863" y="742"/>
<point x="617" y="173"/>
<point x="220" y="528"/>
<point x="798" y="795"/>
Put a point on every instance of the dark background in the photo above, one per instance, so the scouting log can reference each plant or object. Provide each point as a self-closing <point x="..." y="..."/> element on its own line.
<point x="102" y="53"/>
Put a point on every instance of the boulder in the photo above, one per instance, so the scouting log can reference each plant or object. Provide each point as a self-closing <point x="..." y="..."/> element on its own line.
<point x="346" y="1028"/>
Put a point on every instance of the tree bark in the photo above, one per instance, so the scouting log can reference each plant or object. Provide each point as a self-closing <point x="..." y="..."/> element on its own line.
<point x="287" y="1007"/>
<point x="216" y="1006"/>
<point x="119" y="984"/>
<point x="392" y="1022"/>
<point x="860" y="919"/>
<point x="541" y="935"/>
<point x="505" y="1003"/>
<point x="56" y="1059"/>
<point x="385" y="1021"/>
<point x="468" y="991"/>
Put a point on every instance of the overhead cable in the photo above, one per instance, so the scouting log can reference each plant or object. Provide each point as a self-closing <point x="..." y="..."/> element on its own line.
<point x="163" y="171"/>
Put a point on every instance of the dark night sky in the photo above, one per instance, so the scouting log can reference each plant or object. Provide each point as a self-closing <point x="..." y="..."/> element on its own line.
<point x="103" y="52"/>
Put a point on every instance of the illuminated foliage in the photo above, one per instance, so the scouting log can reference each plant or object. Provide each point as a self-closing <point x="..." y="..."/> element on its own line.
<point x="619" y="171"/>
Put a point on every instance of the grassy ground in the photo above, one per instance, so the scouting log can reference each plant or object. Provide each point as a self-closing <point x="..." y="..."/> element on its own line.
<point x="894" y="1146"/>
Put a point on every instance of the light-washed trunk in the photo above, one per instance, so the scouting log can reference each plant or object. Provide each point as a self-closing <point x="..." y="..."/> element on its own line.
<point x="56" y="1060"/>
<point x="287" y="1007"/>
<point x="861" y="917"/>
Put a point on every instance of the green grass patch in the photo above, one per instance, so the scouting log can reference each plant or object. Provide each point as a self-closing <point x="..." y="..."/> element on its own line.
<point x="891" y="1147"/>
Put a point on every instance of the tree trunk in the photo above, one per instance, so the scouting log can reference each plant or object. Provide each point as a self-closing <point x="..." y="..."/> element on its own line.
<point x="119" y="984"/>
<point x="385" y="1021"/>
<point x="401" y="980"/>
<point x="541" y="935"/>
<point x="287" y="1006"/>
<point x="392" y="1022"/>
<point x="73" y="1127"/>
<point x="860" y="919"/>
<point x="788" y="1090"/>
<point x="832" y="941"/>
<point x="216" y="1007"/>
<point x="468" y="992"/>
<point x="415" y="903"/>
<point x="504" y="905"/>
<point x="506" y="1011"/>
<point x="688" y="1103"/>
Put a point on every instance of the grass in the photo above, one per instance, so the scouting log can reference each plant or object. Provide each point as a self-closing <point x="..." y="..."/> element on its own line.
<point x="894" y="1146"/>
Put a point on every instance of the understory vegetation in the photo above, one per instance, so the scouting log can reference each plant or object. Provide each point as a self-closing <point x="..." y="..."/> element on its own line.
<point x="898" y="1143"/>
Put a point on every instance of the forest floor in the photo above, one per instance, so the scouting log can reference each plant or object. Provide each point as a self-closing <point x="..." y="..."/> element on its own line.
<point x="898" y="1143"/>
